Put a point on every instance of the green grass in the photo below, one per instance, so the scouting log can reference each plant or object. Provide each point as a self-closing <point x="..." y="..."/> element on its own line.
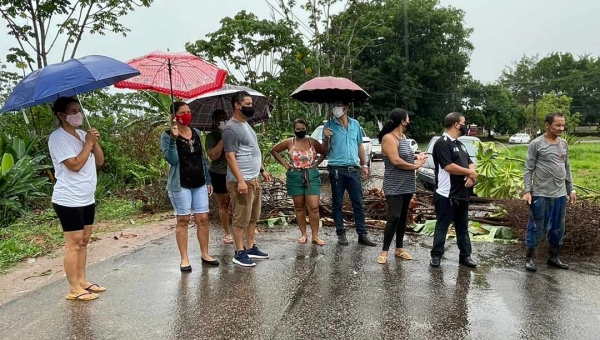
<point x="584" y="160"/>
<point x="36" y="235"/>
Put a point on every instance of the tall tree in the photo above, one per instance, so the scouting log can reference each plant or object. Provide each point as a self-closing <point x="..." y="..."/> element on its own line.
<point x="39" y="27"/>
<point x="267" y="55"/>
<point x="368" y="43"/>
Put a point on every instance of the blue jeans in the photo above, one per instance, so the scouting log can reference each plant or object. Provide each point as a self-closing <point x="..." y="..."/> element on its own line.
<point x="189" y="201"/>
<point x="546" y="215"/>
<point x="342" y="179"/>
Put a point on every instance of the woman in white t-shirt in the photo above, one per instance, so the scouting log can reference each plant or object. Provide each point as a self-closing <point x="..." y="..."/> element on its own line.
<point x="75" y="155"/>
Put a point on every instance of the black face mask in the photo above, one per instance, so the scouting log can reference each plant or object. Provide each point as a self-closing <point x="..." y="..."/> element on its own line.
<point x="248" y="111"/>
<point x="464" y="130"/>
<point x="407" y="126"/>
<point x="300" y="134"/>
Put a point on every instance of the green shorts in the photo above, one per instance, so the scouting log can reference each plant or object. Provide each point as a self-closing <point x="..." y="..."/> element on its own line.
<point x="295" y="186"/>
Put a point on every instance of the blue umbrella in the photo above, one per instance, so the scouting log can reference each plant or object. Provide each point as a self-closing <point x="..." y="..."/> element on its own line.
<point x="69" y="78"/>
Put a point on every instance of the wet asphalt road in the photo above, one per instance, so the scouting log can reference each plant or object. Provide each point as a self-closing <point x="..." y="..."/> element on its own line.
<point x="311" y="292"/>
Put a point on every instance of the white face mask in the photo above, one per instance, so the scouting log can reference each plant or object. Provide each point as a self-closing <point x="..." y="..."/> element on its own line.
<point x="338" y="111"/>
<point x="222" y="125"/>
<point x="75" y="120"/>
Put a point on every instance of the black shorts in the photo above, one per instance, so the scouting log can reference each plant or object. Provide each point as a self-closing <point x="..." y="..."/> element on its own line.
<point x="219" y="182"/>
<point x="75" y="218"/>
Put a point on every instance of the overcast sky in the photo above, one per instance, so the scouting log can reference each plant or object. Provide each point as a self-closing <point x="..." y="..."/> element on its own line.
<point x="504" y="29"/>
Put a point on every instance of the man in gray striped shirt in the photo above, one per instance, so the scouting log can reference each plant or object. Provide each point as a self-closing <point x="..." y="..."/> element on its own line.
<point x="547" y="180"/>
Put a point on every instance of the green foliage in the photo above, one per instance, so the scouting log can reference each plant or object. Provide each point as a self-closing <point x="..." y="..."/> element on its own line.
<point x="571" y="139"/>
<point x="366" y="43"/>
<point x="499" y="177"/>
<point x="491" y="106"/>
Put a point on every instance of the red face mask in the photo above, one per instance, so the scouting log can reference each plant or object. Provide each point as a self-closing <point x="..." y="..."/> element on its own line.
<point x="184" y="118"/>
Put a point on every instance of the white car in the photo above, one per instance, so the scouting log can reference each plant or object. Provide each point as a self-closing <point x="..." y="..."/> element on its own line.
<point x="318" y="135"/>
<point x="519" y="138"/>
<point x="413" y="144"/>
<point x="376" y="149"/>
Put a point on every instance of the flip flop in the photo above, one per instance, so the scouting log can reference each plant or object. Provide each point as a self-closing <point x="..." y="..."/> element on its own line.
<point x="381" y="259"/>
<point x="403" y="255"/>
<point x="302" y="239"/>
<point x="82" y="297"/>
<point x="318" y="242"/>
<point x="228" y="240"/>
<point x="98" y="289"/>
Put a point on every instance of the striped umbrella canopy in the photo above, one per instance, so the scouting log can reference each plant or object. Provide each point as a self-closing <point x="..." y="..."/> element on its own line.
<point x="203" y="106"/>
<point x="179" y="74"/>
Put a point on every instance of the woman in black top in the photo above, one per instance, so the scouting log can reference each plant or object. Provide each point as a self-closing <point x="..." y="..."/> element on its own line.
<point x="189" y="183"/>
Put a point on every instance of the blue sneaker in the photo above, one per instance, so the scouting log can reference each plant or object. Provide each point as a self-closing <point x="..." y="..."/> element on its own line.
<point x="254" y="253"/>
<point x="241" y="258"/>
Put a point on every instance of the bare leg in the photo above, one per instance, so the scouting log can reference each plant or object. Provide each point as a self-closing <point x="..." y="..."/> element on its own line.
<point x="202" y="231"/>
<point x="312" y="201"/>
<point x="300" y="207"/>
<point x="223" y="200"/>
<point x="181" y="234"/>
<point x="73" y="241"/>
<point x="250" y="236"/>
<point x="238" y="236"/>
<point x="82" y="260"/>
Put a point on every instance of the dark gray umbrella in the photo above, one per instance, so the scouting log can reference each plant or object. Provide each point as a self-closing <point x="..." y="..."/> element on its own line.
<point x="203" y="106"/>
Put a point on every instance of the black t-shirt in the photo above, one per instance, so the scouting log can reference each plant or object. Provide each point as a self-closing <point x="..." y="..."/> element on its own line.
<point x="445" y="152"/>
<point x="191" y="170"/>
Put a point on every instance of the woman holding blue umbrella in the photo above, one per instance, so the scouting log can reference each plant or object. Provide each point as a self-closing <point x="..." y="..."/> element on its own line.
<point x="75" y="155"/>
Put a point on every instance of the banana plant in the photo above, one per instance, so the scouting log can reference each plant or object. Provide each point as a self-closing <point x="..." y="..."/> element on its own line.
<point x="500" y="175"/>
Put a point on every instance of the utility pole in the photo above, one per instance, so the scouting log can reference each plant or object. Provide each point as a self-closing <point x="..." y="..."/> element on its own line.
<point x="406" y="30"/>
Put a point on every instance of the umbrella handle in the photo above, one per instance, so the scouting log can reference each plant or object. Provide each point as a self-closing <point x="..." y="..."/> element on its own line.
<point x="83" y="113"/>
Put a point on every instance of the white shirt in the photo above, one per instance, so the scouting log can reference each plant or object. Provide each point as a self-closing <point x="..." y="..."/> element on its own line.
<point x="72" y="189"/>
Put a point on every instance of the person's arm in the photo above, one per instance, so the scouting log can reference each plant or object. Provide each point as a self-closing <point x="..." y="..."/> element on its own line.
<point x="529" y="168"/>
<point x="98" y="154"/>
<point x="213" y="150"/>
<point x="444" y="156"/>
<point x="230" y="144"/>
<point x="389" y="148"/>
<point x="279" y="148"/>
<point x="77" y="163"/>
<point x="327" y="133"/>
<point x="168" y="145"/>
<point x="320" y="150"/>
<point x="569" y="177"/>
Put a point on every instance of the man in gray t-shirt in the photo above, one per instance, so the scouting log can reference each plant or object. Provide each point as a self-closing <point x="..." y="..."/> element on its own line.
<point x="244" y="161"/>
<point x="547" y="180"/>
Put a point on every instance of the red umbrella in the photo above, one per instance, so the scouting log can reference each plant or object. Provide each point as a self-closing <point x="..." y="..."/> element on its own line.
<point x="329" y="90"/>
<point x="176" y="73"/>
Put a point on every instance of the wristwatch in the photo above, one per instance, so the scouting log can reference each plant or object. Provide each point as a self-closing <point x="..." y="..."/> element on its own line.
<point x="365" y="166"/>
<point x="262" y="170"/>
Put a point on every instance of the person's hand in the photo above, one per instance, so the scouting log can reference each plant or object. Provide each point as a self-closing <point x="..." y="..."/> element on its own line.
<point x="174" y="129"/>
<point x="469" y="182"/>
<point x="91" y="138"/>
<point x="210" y="190"/>
<point x="328" y="132"/>
<point x="572" y="197"/>
<point x="242" y="188"/>
<point x="473" y="175"/>
<point x="266" y="176"/>
<point x="94" y="132"/>
<point x="527" y="198"/>
<point x="421" y="156"/>
<point x="419" y="163"/>
<point x="364" y="171"/>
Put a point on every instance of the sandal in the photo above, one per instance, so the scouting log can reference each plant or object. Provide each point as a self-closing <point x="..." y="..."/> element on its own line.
<point x="318" y="241"/>
<point x="95" y="288"/>
<point x="403" y="255"/>
<point x="228" y="240"/>
<point x="381" y="259"/>
<point x="87" y="296"/>
<point x="302" y="240"/>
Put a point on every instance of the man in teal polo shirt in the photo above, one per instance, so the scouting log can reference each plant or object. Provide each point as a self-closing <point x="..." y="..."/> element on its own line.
<point x="343" y="141"/>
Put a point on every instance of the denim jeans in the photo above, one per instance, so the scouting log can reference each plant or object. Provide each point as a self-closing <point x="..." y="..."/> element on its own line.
<point x="449" y="211"/>
<point x="546" y="214"/>
<point x="342" y="179"/>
